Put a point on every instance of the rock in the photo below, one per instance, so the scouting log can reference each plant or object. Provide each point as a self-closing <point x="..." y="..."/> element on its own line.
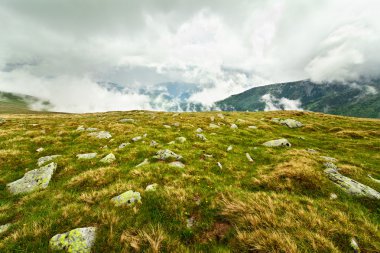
<point x="220" y="165"/>
<point x="123" y="145"/>
<point x="220" y="115"/>
<point x="181" y="139"/>
<point x="91" y="129"/>
<point x="128" y="198"/>
<point x="213" y="125"/>
<point x="151" y="188"/>
<point x="105" y="147"/>
<point x="328" y="159"/>
<point x="199" y="130"/>
<point x="249" y="157"/>
<point x="80" y="129"/>
<point x="153" y="143"/>
<point x="212" y="118"/>
<point x="108" y="158"/>
<point x="137" y="138"/>
<point x="207" y="156"/>
<point x="33" y="180"/>
<point x="351" y="186"/>
<point x="171" y="143"/>
<point x="234" y="126"/>
<point x="229" y="148"/>
<point x="275" y="120"/>
<point x="5" y="227"/>
<point x="291" y="123"/>
<point x="127" y="121"/>
<point x="77" y="240"/>
<point x="145" y="162"/>
<point x="354" y="245"/>
<point x="42" y="160"/>
<point x="101" y="135"/>
<point x="374" y="179"/>
<point x="202" y="137"/>
<point x="278" y="143"/>
<point x="166" y="154"/>
<point x="176" y="124"/>
<point x="252" y="127"/>
<point x="145" y="135"/>
<point x="177" y="164"/>
<point x="87" y="156"/>
<point x="40" y="150"/>
<point x="167" y="126"/>
<point x="240" y="121"/>
<point x="311" y="151"/>
<point x="330" y="165"/>
<point x="333" y="196"/>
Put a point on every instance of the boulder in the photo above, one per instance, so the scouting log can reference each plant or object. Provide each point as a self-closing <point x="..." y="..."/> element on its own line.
<point x="42" y="160"/>
<point x="167" y="154"/>
<point x="291" y="123"/>
<point x="33" y="180"/>
<point x="202" y="137"/>
<point x="128" y="198"/>
<point x="87" y="156"/>
<point x="151" y="188"/>
<point x="108" y="158"/>
<point x="77" y="240"/>
<point x="101" y="135"/>
<point x="177" y="164"/>
<point x="5" y="227"/>
<point x="278" y="143"/>
<point x="351" y="186"/>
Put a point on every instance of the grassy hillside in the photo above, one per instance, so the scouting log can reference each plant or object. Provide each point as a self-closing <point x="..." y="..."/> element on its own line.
<point x="332" y="98"/>
<point x="16" y="103"/>
<point x="280" y="202"/>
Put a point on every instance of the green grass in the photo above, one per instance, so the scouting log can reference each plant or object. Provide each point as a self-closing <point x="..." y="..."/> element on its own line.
<point x="279" y="203"/>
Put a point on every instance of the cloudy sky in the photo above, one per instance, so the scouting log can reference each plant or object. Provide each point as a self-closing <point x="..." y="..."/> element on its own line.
<point x="60" y="50"/>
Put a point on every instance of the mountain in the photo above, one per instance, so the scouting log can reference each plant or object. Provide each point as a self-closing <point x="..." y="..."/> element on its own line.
<point x="361" y="99"/>
<point x="19" y="103"/>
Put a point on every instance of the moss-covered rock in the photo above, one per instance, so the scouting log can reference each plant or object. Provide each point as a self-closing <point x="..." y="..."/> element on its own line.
<point x="79" y="240"/>
<point x="127" y="198"/>
<point x="278" y="143"/>
<point x="166" y="154"/>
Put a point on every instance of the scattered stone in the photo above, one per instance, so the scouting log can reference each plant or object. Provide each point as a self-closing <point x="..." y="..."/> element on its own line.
<point x="123" y="145"/>
<point x="40" y="150"/>
<point x="220" y="115"/>
<point x="80" y="129"/>
<point x="87" y="156"/>
<point x="220" y="165"/>
<point x="328" y="159"/>
<point x="145" y="162"/>
<point x="167" y="126"/>
<point x="199" y="130"/>
<point x="177" y="164"/>
<point x="278" y="143"/>
<point x="212" y="118"/>
<point x="354" y="245"/>
<point x="229" y="148"/>
<point x="252" y="127"/>
<point x="291" y="123"/>
<point x="202" y="137"/>
<point x="128" y="198"/>
<point x="151" y="188"/>
<point x="333" y="196"/>
<point x="137" y="138"/>
<point x="330" y="165"/>
<point x="108" y="158"/>
<point x="5" y="227"/>
<point x="374" y="179"/>
<point x="101" y="135"/>
<point x="181" y="139"/>
<point x="166" y="154"/>
<point x="153" y="143"/>
<point x="91" y="129"/>
<point x="42" y="160"/>
<point x="312" y="151"/>
<point x="176" y="124"/>
<point x="207" y="156"/>
<point x="234" y="126"/>
<point x="77" y="240"/>
<point x="171" y="143"/>
<point x="33" y="180"/>
<point x="351" y="186"/>
<point x="213" y="125"/>
<point x="127" y="121"/>
<point x="249" y="157"/>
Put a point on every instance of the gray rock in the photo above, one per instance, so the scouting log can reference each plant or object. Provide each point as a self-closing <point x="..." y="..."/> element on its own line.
<point x="354" y="245"/>
<point x="229" y="148"/>
<point x="252" y="127"/>
<point x="77" y="240"/>
<point x="213" y="125"/>
<point x="291" y="123"/>
<point x="181" y="139"/>
<point x="87" y="156"/>
<point x="234" y="126"/>
<point x="220" y="165"/>
<point x="101" y="135"/>
<point x="351" y="186"/>
<point x="177" y="164"/>
<point x="33" y="180"/>
<point x="167" y="154"/>
<point x="278" y="143"/>
<point x="42" y="160"/>
<point x="145" y="162"/>
<point x="40" y="150"/>
<point x="207" y="156"/>
<point x="312" y="151"/>
<point x="5" y="227"/>
<point x="167" y="126"/>
<point x="202" y="137"/>
<point x="153" y="143"/>
<point x="220" y="115"/>
<point x="123" y="145"/>
<point x="80" y="129"/>
<point x="199" y="130"/>
<point x="330" y="165"/>
<point x="108" y="158"/>
<point x="249" y="157"/>
<point x="137" y="138"/>
<point x="176" y="124"/>
<point x="333" y="196"/>
<point x="127" y="121"/>
<point x="128" y="198"/>
<point x="151" y="188"/>
<point x="91" y="129"/>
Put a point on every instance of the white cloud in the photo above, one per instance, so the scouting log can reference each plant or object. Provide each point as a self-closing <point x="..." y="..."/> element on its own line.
<point x="274" y="104"/>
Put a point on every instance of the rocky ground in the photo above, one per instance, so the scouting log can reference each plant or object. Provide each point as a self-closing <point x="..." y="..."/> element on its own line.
<point x="189" y="182"/>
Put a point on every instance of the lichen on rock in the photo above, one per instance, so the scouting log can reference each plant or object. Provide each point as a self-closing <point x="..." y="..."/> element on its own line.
<point x="79" y="240"/>
<point x="277" y="143"/>
<point x="127" y="198"/>
<point x="167" y="154"/>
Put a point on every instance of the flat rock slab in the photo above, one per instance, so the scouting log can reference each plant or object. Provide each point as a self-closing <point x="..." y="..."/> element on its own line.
<point x="101" y="135"/>
<point x="278" y="143"/>
<point x="127" y="198"/>
<point x="351" y="186"/>
<point x="33" y="180"/>
<point x="167" y="154"/>
<point x="42" y="160"/>
<point x="86" y="156"/>
<point x="77" y="240"/>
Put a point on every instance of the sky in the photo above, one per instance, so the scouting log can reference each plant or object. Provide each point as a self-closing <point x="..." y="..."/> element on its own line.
<point x="60" y="50"/>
